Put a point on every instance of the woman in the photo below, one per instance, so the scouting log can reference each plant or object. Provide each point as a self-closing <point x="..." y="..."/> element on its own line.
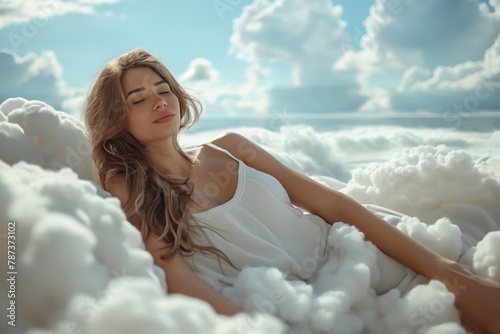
<point x="135" y="111"/>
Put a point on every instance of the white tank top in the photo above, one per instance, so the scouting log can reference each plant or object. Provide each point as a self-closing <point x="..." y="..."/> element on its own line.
<point x="258" y="226"/>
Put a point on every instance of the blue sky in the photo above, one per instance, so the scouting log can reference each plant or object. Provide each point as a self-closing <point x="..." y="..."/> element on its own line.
<point x="176" y="31"/>
<point x="259" y="57"/>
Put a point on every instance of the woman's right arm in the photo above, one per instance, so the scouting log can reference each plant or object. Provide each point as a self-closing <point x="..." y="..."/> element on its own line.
<point x="180" y="277"/>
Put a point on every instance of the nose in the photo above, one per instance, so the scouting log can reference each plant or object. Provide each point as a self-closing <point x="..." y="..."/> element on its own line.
<point x="159" y="103"/>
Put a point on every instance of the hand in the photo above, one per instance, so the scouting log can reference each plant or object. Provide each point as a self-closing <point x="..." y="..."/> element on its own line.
<point x="477" y="298"/>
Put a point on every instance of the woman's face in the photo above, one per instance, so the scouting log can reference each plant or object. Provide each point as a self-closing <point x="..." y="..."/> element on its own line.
<point x="153" y="110"/>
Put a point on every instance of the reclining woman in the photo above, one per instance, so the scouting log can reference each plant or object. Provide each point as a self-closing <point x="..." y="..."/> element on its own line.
<point x="228" y="204"/>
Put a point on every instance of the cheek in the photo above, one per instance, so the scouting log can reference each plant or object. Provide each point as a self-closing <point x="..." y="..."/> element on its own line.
<point x="135" y="121"/>
<point x="174" y="101"/>
<point x="138" y="114"/>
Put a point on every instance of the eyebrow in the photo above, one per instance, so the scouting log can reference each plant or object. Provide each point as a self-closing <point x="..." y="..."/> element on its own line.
<point x="135" y="90"/>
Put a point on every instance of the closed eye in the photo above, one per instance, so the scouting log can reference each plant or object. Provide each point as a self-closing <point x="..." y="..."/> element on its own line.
<point x="165" y="92"/>
<point x="137" y="102"/>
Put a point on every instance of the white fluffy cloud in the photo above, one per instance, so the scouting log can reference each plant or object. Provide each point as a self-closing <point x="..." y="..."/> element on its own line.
<point x="200" y="70"/>
<point x="36" y="133"/>
<point x="412" y="181"/>
<point x="92" y="272"/>
<point x="38" y="77"/>
<point x="311" y="37"/>
<point x="247" y="98"/>
<point x="35" y="77"/>
<point x="306" y="34"/>
<point x="456" y="91"/>
<point x="427" y="33"/>
<point x="15" y="12"/>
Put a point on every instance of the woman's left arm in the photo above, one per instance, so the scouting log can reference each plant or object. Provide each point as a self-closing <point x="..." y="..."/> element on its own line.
<point x="477" y="298"/>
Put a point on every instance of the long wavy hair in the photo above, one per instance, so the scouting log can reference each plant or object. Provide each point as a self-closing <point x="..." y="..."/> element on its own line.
<point x="157" y="203"/>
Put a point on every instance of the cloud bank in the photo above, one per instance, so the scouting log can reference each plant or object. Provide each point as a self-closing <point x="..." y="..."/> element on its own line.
<point x="457" y="90"/>
<point x="400" y="34"/>
<point x="38" y="78"/>
<point x="93" y="274"/>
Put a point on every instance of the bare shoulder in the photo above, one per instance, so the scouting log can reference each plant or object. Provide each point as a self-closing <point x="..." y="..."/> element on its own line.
<point x="239" y="146"/>
<point x="117" y="186"/>
<point x="253" y="155"/>
<point x="302" y="190"/>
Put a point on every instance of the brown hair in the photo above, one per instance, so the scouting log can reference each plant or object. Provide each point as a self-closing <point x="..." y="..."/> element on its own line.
<point x="156" y="203"/>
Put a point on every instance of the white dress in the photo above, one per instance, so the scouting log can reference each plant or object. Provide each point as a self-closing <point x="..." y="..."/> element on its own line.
<point x="258" y="226"/>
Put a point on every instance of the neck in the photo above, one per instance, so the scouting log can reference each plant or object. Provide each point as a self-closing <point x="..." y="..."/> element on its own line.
<point x="167" y="159"/>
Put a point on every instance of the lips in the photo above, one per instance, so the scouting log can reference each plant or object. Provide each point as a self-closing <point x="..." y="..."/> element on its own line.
<point x="163" y="118"/>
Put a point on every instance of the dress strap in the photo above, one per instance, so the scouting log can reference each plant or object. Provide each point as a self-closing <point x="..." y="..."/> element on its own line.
<point x="215" y="147"/>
